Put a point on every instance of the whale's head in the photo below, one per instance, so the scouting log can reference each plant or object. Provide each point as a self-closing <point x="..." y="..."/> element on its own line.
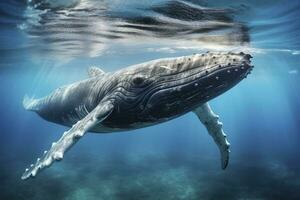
<point x="166" y="88"/>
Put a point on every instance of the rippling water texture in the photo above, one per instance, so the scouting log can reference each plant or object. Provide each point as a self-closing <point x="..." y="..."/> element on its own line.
<point x="46" y="44"/>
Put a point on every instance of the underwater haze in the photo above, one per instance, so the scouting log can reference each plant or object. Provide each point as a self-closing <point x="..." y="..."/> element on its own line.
<point x="45" y="44"/>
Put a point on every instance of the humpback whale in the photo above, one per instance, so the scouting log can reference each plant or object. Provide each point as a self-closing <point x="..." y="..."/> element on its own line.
<point x="139" y="96"/>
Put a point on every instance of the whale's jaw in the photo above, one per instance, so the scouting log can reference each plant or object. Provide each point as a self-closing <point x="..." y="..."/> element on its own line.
<point x="226" y="73"/>
<point x="207" y="76"/>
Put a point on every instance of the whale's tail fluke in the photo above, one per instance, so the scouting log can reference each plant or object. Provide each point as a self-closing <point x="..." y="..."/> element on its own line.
<point x="30" y="103"/>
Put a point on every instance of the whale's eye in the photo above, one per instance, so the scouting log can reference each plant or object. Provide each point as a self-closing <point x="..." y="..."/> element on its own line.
<point x="138" y="80"/>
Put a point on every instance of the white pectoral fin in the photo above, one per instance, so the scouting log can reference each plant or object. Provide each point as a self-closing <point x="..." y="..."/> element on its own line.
<point x="95" y="71"/>
<point x="214" y="128"/>
<point x="69" y="138"/>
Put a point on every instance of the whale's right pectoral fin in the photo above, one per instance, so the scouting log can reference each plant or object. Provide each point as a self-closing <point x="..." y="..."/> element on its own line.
<point x="214" y="128"/>
<point x="69" y="138"/>
<point x="95" y="71"/>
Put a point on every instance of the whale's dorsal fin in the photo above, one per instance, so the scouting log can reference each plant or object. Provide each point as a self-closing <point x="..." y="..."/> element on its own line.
<point x="95" y="71"/>
<point x="69" y="138"/>
<point x="214" y="127"/>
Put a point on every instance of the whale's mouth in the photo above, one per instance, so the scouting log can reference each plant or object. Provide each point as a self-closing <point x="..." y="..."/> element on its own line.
<point x="197" y="85"/>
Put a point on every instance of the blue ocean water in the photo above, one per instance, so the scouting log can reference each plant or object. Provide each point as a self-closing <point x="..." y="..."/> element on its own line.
<point x="49" y="43"/>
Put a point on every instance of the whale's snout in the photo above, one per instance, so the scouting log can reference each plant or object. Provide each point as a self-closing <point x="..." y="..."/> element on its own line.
<point x="228" y="70"/>
<point x="238" y="67"/>
<point x="223" y="72"/>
